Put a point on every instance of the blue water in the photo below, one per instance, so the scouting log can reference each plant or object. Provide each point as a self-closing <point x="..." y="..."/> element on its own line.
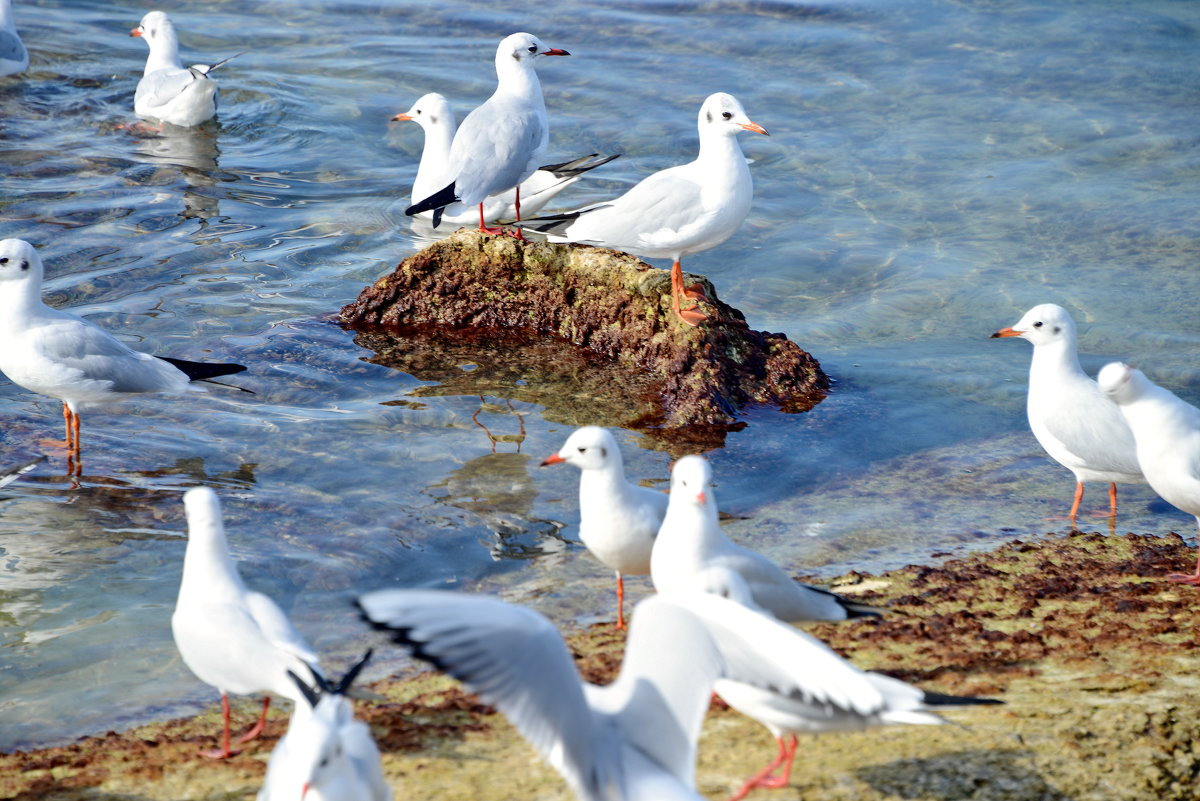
<point x="934" y="169"/>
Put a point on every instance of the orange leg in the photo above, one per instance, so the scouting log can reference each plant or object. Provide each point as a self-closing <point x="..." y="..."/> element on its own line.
<point x="499" y="229"/>
<point x="1112" y="499"/>
<point x="763" y="778"/>
<point x="1184" y="578"/>
<point x="224" y="752"/>
<point x="258" y="727"/>
<point x="620" y="601"/>
<point x="689" y="315"/>
<point x="1075" y="506"/>
<point x="516" y="232"/>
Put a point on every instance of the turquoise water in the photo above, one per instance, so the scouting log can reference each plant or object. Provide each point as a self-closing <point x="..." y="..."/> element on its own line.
<point x="934" y="169"/>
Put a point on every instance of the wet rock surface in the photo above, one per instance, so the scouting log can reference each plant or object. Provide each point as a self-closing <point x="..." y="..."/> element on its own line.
<point x="1093" y="652"/>
<point x="541" y="313"/>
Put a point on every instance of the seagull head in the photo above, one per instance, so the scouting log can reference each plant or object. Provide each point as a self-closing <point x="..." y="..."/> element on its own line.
<point x="1121" y="383"/>
<point x="1042" y="325"/>
<point x="691" y="482"/>
<point x="430" y="111"/>
<point x="156" y="29"/>
<point x="524" y="48"/>
<point x="19" y="261"/>
<point x="589" y="448"/>
<point x="723" y="113"/>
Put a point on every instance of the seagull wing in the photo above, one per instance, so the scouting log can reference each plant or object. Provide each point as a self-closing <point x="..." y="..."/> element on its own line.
<point x="513" y="658"/>
<point x="278" y="630"/>
<point x="11" y="47"/>
<point x="76" y="347"/>
<point x="161" y="87"/>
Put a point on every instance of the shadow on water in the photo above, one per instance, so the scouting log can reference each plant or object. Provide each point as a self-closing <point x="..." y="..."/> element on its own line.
<point x="962" y="775"/>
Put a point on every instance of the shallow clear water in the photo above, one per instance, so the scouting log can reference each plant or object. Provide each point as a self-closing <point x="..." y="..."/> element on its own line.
<point x="934" y="169"/>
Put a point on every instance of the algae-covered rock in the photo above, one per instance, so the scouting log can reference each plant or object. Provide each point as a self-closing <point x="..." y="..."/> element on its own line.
<point x="644" y="367"/>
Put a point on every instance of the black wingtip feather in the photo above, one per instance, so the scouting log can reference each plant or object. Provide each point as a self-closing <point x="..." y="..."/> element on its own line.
<point x="202" y="371"/>
<point x="941" y="699"/>
<point x="438" y="200"/>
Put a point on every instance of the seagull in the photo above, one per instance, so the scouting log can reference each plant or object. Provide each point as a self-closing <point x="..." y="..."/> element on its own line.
<point x="617" y="520"/>
<point x="1167" y="431"/>
<point x="635" y="738"/>
<point x="787" y="716"/>
<point x="691" y="546"/>
<point x="500" y="143"/>
<point x="14" y="57"/>
<point x="13" y="473"/>
<point x="168" y="91"/>
<point x="1078" y="426"/>
<point x="56" y="353"/>
<point x="327" y="754"/>
<point x="238" y="641"/>
<point x="432" y="112"/>
<point x="678" y="211"/>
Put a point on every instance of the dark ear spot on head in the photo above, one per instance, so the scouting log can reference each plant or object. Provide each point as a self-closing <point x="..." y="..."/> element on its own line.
<point x="1057" y="329"/>
<point x="432" y="118"/>
<point x="603" y="453"/>
<point x="708" y="116"/>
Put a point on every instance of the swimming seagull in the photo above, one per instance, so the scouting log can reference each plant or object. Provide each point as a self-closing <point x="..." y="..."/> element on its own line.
<point x="14" y="57"/>
<point x="1078" y="426"/>
<point x="635" y="738"/>
<point x="168" y="91"/>
<point x="327" y="754"/>
<point x="678" y="211"/>
<point x="691" y="548"/>
<point x="432" y="112"/>
<point x="617" y="520"/>
<point x="56" y="353"/>
<point x="500" y="143"/>
<point x="238" y="641"/>
<point x="1167" y="431"/>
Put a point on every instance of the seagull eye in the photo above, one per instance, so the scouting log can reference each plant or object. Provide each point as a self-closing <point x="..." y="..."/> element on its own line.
<point x="582" y="449"/>
<point x="533" y="48"/>
<point x="727" y="115"/>
<point x="1038" y="324"/>
<point x="24" y="265"/>
<point x="3" y="259"/>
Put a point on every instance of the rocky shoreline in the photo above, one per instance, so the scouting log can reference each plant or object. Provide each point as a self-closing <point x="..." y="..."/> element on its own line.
<point x="1093" y="652"/>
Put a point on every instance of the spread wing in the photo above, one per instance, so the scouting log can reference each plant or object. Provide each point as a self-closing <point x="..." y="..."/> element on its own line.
<point x="513" y="658"/>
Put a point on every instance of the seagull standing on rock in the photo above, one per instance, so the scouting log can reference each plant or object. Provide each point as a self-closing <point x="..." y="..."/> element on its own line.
<point x="617" y="520"/>
<point x="432" y="112"/>
<point x="1078" y="426"/>
<point x="238" y="641"/>
<point x="1167" y="431"/>
<point x="678" y="211"/>
<point x="56" y="353"/>
<point x="500" y="143"/>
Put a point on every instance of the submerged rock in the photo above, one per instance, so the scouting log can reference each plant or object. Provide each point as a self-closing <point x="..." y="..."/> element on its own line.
<point x="618" y="354"/>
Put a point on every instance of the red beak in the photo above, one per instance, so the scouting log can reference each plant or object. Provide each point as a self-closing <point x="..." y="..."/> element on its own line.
<point x="554" y="51"/>
<point x="754" y="126"/>
<point x="701" y="499"/>
<point x="136" y="31"/>
<point x="1006" y="332"/>
<point x="555" y="459"/>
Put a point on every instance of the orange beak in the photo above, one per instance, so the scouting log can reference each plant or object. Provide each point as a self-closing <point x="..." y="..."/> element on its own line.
<point x="1006" y="332"/>
<point x="555" y="459"/>
<point x="401" y="118"/>
<point x="754" y="126"/>
<point x="701" y="499"/>
<point x="136" y="31"/>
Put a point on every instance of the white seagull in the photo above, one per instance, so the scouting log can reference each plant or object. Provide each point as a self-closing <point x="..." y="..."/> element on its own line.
<point x="238" y="641"/>
<point x="432" y="112"/>
<point x="1078" y="426"/>
<point x="327" y="754"/>
<point x="678" y="211"/>
<point x="14" y="57"/>
<point x="500" y="143"/>
<point x="617" y="520"/>
<point x="168" y="91"/>
<point x="1167" y="431"/>
<point x="56" y="353"/>
<point x="635" y="738"/>
<point x="691" y="548"/>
